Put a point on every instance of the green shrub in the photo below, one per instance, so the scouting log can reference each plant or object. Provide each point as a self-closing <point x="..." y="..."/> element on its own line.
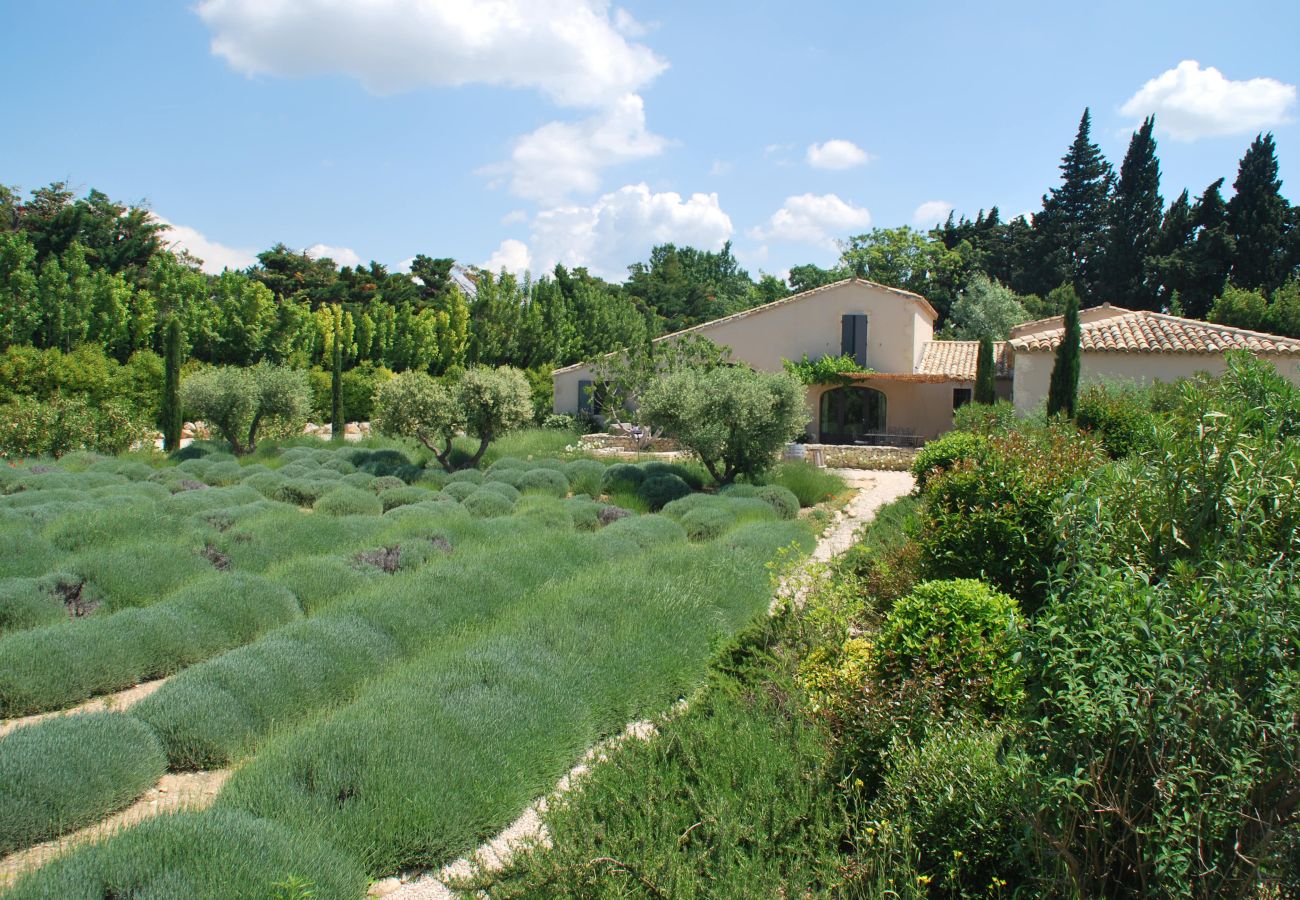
<point x="961" y="631"/>
<point x="943" y="453"/>
<point x="985" y="419"/>
<point x="675" y="509"/>
<point x="70" y="771"/>
<point x="646" y="531"/>
<point x="506" y="476"/>
<point x="460" y="490"/>
<point x="30" y="427"/>
<point x="362" y="480"/>
<point x="31" y="602"/>
<point x="392" y="498"/>
<point x="622" y="477"/>
<point x="690" y="476"/>
<point x="995" y="517"/>
<point x="544" y="481"/>
<point x="961" y="795"/>
<point x="586" y="476"/>
<point x="487" y="504"/>
<point x="466" y="476"/>
<point x="1119" y="416"/>
<point x="240" y="402"/>
<point x="659" y="490"/>
<point x="584" y="511"/>
<point x="885" y="558"/>
<point x="781" y="499"/>
<point x="502" y="488"/>
<point x="707" y="522"/>
<point x="346" y="501"/>
<point x="59" y="665"/>
<point x="138" y="573"/>
<point x="213" y="855"/>
<point x="740" y="491"/>
<point x="807" y="482"/>
<point x="223" y="474"/>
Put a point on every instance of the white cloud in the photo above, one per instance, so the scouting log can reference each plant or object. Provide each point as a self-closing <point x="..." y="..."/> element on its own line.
<point x="837" y="154"/>
<point x="1190" y="102"/>
<point x="812" y="219"/>
<point x="344" y="256"/>
<point x="570" y="50"/>
<point x="719" y="167"/>
<point x="514" y="216"/>
<point x="622" y="226"/>
<point x="627" y="24"/>
<point x="930" y="213"/>
<point x="512" y="255"/>
<point x="549" y="164"/>
<point x="215" y="256"/>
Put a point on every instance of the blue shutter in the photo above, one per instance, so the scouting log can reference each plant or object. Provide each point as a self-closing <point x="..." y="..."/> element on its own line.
<point x="584" y="396"/>
<point x="846" y="335"/>
<point x="860" y="340"/>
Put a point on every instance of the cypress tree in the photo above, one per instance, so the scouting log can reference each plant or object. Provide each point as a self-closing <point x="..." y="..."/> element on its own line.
<point x="1135" y="219"/>
<point x="171" y="398"/>
<point x="986" y="390"/>
<point x="1171" y="253"/>
<point x="1258" y="214"/>
<point x="336" y="390"/>
<point x="1064" y="386"/>
<point x="1212" y="254"/>
<point x="1070" y="231"/>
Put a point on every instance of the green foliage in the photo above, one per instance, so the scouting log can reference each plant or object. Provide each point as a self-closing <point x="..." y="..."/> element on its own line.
<point x="984" y="309"/>
<point x="337" y="419"/>
<point x="781" y="499"/>
<point x="978" y="418"/>
<point x="171" y="414"/>
<point x="238" y="402"/>
<point x="544" y="481"/>
<point x="659" y="490"/>
<point x="707" y="522"/>
<point x="961" y="632"/>
<point x="994" y="517"/>
<point x="585" y="476"/>
<point x="734" y="419"/>
<point x="810" y="484"/>
<point x="825" y="370"/>
<point x="211" y="855"/>
<point x="945" y="452"/>
<point x="986" y="390"/>
<point x="692" y="475"/>
<point x="1063" y="387"/>
<point x="487" y="504"/>
<point x="62" y="774"/>
<point x="30" y="427"/>
<point x="622" y="477"/>
<point x="1118" y="415"/>
<point x="346" y="501"/>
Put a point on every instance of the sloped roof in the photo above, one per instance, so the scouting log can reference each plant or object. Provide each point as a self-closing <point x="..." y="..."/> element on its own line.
<point x="957" y="359"/>
<point x="1117" y="330"/>
<point x="920" y="301"/>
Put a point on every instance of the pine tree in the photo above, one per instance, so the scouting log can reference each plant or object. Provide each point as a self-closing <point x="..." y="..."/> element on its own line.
<point x="336" y="391"/>
<point x="1070" y="231"/>
<point x="171" y="398"/>
<point x="1135" y="220"/>
<point x="986" y="391"/>
<point x="1064" y="386"/>
<point x="1258" y="213"/>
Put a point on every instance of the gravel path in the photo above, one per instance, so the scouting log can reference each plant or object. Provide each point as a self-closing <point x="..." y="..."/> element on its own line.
<point x="874" y="490"/>
<point x="117" y="702"/>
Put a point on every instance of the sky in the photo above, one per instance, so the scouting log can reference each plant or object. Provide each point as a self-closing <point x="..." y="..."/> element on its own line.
<point x="522" y="133"/>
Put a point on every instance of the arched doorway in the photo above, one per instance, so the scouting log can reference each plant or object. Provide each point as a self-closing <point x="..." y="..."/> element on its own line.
<point x="848" y="413"/>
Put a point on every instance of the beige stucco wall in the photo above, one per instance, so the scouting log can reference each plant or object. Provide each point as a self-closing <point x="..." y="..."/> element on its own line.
<point x="923" y="408"/>
<point x="1034" y="371"/>
<point x="897" y="330"/>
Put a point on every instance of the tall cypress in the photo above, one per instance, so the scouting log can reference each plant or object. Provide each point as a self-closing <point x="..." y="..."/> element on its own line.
<point x="1258" y="214"/>
<point x="1170" y="259"/>
<point x="986" y="390"/>
<point x="1070" y="232"/>
<point x="1135" y="219"/>
<point x="171" y="398"/>
<point x="1213" y="252"/>
<point x="336" y="390"/>
<point x="1064" y="386"/>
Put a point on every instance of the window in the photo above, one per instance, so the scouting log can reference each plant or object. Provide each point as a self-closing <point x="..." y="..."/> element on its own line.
<point x="853" y="337"/>
<point x="960" y="397"/>
<point x="850" y="413"/>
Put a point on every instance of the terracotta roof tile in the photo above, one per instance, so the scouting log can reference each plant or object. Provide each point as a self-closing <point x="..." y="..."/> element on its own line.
<point x="1149" y="332"/>
<point x="957" y="359"/>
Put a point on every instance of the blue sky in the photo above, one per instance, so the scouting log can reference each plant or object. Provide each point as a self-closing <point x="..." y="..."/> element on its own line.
<point x="522" y="132"/>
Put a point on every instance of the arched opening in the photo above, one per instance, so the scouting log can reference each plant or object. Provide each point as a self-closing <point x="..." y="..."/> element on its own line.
<point x="849" y="413"/>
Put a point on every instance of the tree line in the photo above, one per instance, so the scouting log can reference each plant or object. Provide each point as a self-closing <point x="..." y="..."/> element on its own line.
<point x="94" y="271"/>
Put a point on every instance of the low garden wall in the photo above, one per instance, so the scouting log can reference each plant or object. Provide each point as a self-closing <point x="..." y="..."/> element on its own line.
<point x="844" y="456"/>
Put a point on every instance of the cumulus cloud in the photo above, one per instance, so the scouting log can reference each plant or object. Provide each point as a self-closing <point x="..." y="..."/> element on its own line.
<point x="931" y="212"/>
<point x="549" y="164"/>
<point x="1190" y="102"/>
<point x="837" y="154"/>
<point x="216" y="256"/>
<point x="514" y="216"/>
<point x="570" y="50"/>
<point x="344" y="256"/>
<point x="812" y="219"/>
<point x="512" y="255"/>
<point x="621" y="226"/>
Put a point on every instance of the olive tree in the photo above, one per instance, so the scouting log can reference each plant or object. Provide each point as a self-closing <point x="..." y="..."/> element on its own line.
<point x="239" y="401"/>
<point x="734" y="418"/>
<point x="484" y="403"/>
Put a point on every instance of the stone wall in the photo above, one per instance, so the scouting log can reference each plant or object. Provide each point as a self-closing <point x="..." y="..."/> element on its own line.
<point x="842" y="456"/>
